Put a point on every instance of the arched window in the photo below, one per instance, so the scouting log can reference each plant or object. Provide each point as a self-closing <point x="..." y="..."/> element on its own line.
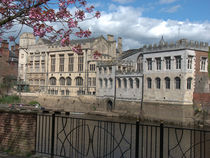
<point x="119" y="82"/>
<point x="137" y="83"/>
<point x="167" y="82"/>
<point x="157" y="82"/>
<point x="79" y="81"/>
<point x="177" y="83"/>
<point x="68" y="81"/>
<point x="62" y="81"/>
<point x="101" y="83"/>
<point x="105" y="82"/>
<point x="131" y="82"/>
<point x="189" y="83"/>
<point x="140" y="63"/>
<point x="149" y="83"/>
<point x="125" y="82"/>
<point x="111" y="82"/>
<point x="52" y="81"/>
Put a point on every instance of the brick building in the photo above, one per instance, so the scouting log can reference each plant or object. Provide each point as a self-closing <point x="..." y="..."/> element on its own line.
<point x="8" y="61"/>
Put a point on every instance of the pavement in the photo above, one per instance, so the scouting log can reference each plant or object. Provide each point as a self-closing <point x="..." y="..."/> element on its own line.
<point x="6" y="155"/>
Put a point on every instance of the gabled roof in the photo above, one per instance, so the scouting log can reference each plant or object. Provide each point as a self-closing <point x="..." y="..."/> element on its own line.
<point x="130" y="52"/>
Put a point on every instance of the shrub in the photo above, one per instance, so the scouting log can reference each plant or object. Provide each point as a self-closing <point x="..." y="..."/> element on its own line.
<point x="9" y="99"/>
<point x="33" y="103"/>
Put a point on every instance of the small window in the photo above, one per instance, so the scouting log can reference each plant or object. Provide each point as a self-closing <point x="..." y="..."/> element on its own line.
<point x="125" y="82"/>
<point x="178" y="62"/>
<point x="189" y="62"/>
<point x="105" y="82"/>
<point x="67" y="92"/>
<point x="177" y="83"/>
<point x="119" y="82"/>
<point x="79" y="81"/>
<point x="149" y="63"/>
<point x="68" y="81"/>
<point x="167" y="82"/>
<point x="52" y="81"/>
<point x="189" y="83"/>
<point x="111" y="82"/>
<point x="203" y="64"/>
<point x="131" y="82"/>
<point x="149" y="83"/>
<point x="62" y="81"/>
<point x="157" y="82"/>
<point x="158" y="63"/>
<point x="137" y="83"/>
<point x="168" y="63"/>
<point x="101" y="83"/>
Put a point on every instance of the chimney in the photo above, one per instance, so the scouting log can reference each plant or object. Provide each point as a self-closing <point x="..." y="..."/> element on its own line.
<point x="17" y="50"/>
<point x="110" y="37"/>
<point x="119" y="46"/>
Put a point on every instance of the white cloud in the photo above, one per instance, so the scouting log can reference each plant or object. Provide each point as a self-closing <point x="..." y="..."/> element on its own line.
<point x="123" y="1"/>
<point x="137" y="30"/>
<point x="167" y="1"/>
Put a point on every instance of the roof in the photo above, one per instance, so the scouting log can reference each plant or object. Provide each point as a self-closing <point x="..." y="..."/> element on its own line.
<point x="130" y="52"/>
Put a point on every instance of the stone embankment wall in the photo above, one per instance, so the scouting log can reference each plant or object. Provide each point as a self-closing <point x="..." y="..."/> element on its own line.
<point x="17" y="132"/>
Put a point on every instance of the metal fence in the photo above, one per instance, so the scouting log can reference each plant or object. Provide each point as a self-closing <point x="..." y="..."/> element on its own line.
<point x="72" y="137"/>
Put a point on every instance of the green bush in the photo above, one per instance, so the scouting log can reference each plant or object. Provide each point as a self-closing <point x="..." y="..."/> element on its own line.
<point x="9" y="99"/>
<point x="33" y="103"/>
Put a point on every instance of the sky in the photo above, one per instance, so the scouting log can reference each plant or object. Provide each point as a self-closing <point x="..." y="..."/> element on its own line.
<point x="141" y="22"/>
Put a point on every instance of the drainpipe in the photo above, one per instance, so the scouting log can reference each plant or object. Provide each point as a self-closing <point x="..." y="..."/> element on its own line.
<point x="142" y="96"/>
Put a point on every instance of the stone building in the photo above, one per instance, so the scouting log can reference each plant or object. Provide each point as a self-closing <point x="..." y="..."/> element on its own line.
<point x="56" y="70"/>
<point x="173" y="74"/>
<point x="8" y="61"/>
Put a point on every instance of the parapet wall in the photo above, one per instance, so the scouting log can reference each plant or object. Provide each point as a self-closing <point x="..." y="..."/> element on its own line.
<point x="180" y="44"/>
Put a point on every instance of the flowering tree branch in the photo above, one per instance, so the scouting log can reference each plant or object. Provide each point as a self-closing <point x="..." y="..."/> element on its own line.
<point x="42" y="15"/>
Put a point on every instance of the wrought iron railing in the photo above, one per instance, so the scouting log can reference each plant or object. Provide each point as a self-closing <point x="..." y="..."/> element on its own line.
<point x="73" y="137"/>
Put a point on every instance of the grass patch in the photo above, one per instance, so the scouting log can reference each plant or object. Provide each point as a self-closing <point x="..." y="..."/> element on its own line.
<point x="33" y="103"/>
<point x="9" y="99"/>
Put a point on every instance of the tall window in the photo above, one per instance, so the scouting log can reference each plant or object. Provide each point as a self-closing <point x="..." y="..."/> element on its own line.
<point x="119" y="82"/>
<point x="105" y="82"/>
<point x="149" y="63"/>
<point x="189" y="83"/>
<point x="157" y="82"/>
<point x="52" y="81"/>
<point x="79" y="81"/>
<point x="140" y="64"/>
<point x="111" y="82"/>
<point x="89" y="81"/>
<point x="37" y="66"/>
<point x="131" y="82"/>
<point x="62" y="81"/>
<point x="149" y="83"/>
<point x="177" y="83"/>
<point x="68" y="81"/>
<point x="42" y="82"/>
<point x="203" y="64"/>
<point x="168" y="63"/>
<point x="80" y="63"/>
<point x="43" y="65"/>
<point x="189" y="62"/>
<point x="137" y="83"/>
<point x="101" y="83"/>
<point x="167" y="82"/>
<point x="158" y="63"/>
<point x="94" y="81"/>
<point x="178" y="62"/>
<point x="105" y="70"/>
<point x="92" y="67"/>
<point x="71" y="62"/>
<point x="61" y="67"/>
<point x="53" y="63"/>
<point x="125" y="82"/>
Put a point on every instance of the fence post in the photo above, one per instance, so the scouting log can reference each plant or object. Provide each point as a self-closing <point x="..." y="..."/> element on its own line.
<point x="137" y="139"/>
<point x="161" y="139"/>
<point x="53" y="135"/>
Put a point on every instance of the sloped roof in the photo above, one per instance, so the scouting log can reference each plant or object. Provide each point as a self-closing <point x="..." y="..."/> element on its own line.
<point x="130" y="52"/>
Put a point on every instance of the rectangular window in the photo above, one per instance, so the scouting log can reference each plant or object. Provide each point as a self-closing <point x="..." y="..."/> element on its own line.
<point x="89" y="81"/>
<point x="42" y="82"/>
<point x="203" y="64"/>
<point x="22" y="56"/>
<point x="168" y="63"/>
<point x="94" y="81"/>
<point x="36" y="66"/>
<point x="149" y="63"/>
<point x="158" y="63"/>
<point x="31" y="66"/>
<point x="53" y="63"/>
<point x="71" y="62"/>
<point x="178" y="62"/>
<point x="92" y="67"/>
<point x="61" y="67"/>
<point x="189" y="62"/>
<point x="80" y="63"/>
<point x="43" y="66"/>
